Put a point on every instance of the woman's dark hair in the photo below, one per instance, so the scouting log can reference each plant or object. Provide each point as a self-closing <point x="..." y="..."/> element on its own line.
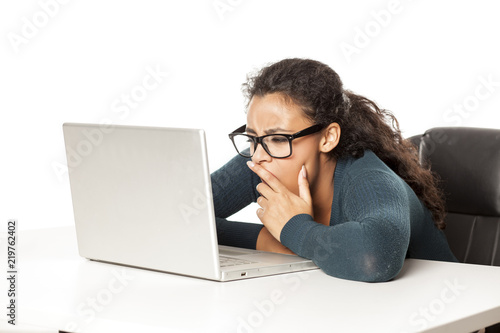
<point x="318" y="90"/>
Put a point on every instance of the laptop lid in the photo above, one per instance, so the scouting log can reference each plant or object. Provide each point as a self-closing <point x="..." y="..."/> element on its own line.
<point x="142" y="197"/>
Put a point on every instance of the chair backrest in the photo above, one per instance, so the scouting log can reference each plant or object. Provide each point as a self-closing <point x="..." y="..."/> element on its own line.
<point x="467" y="160"/>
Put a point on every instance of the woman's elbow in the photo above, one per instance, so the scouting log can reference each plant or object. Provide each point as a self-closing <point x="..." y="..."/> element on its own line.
<point x="367" y="268"/>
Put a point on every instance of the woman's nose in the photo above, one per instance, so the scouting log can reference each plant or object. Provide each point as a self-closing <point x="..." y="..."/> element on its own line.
<point x="260" y="155"/>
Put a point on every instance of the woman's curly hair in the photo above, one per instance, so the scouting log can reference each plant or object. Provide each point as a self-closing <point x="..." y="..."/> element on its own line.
<point x="318" y="90"/>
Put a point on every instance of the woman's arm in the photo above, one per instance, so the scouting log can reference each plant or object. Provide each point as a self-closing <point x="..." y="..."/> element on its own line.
<point x="266" y="242"/>
<point x="233" y="188"/>
<point x="370" y="243"/>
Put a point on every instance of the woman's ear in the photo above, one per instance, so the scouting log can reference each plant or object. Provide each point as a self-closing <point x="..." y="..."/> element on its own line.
<point x="330" y="138"/>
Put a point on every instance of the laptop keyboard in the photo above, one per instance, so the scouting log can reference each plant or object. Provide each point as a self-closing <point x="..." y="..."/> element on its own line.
<point x="229" y="261"/>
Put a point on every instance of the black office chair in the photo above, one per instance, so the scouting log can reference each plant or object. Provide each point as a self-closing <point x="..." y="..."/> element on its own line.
<point x="467" y="160"/>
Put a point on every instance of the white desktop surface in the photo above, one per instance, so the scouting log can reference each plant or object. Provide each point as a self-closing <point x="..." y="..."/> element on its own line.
<point x="57" y="289"/>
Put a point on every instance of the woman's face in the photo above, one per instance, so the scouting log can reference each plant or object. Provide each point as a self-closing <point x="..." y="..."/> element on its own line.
<point x="270" y="114"/>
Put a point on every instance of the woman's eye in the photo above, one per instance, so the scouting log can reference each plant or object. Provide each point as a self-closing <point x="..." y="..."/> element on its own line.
<point x="279" y="139"/>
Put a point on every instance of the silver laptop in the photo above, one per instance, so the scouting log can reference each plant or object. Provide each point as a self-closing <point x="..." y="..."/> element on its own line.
<point x="142" y="197"/>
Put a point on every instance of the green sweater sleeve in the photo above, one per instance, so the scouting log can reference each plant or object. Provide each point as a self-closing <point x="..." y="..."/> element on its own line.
<point x="369" y="240"/>
<point x="233" y="188"/>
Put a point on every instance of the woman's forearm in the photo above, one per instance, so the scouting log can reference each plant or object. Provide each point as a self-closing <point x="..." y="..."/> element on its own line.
<point x="266" y="242"/>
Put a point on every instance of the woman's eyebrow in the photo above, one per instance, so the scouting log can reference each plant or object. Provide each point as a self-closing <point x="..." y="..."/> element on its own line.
<point x="268" y="131"/>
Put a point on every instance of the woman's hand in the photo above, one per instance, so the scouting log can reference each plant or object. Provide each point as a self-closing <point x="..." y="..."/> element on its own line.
<point x="278" y="204"/>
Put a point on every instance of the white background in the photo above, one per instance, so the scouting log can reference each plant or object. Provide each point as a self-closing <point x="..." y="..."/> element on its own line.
<point x="418" y="61"/>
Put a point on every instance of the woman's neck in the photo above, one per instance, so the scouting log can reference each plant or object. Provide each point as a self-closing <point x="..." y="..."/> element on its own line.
<point x="322" y="191"/>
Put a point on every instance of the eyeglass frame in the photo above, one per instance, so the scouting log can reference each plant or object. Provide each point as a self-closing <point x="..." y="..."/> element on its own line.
<point x="258" y="139"/>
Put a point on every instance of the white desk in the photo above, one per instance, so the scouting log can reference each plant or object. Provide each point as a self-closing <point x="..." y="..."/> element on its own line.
<point x="59" y="289"/>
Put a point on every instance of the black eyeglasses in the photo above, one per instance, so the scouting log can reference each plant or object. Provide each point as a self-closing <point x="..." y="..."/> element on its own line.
<point x="276" y="145"/>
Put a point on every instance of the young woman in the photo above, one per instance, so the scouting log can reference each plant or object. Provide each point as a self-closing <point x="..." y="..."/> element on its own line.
<point x="334" y="181"/>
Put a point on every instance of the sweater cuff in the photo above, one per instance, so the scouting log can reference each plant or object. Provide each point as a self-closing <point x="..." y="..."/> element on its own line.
<point x="293" y="234"/>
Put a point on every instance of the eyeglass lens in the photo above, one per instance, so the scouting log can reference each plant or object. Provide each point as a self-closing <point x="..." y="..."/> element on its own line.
<point x="276" y="145"/>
